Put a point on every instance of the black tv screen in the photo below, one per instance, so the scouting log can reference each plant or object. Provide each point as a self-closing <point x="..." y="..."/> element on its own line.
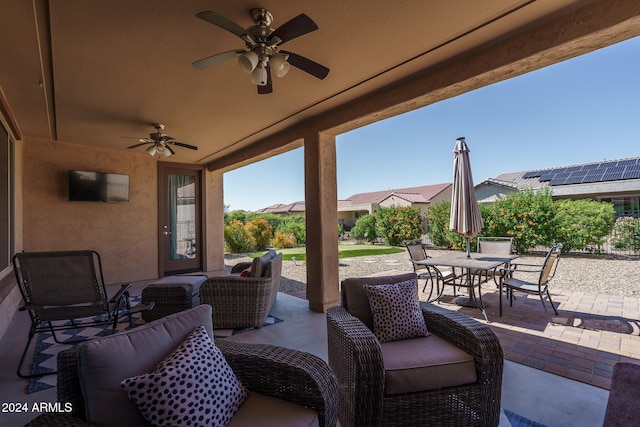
<point x="98" y="187"/>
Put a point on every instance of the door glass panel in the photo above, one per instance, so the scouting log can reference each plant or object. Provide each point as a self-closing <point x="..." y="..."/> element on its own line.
<point x="182" y="217"/>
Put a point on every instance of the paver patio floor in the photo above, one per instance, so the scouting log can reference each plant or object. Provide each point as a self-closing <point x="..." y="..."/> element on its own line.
<point x="591" y="333"/>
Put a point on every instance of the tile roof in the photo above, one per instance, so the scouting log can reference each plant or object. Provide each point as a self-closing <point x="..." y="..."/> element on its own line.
<point x="584" y="173"/>
<point x="421" y="194"/>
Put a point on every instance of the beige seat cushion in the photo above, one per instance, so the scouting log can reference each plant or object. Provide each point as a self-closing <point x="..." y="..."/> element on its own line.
<point x="425" y="363"/>
<point x="264" y="411"/>
<point x="104" y="362"/>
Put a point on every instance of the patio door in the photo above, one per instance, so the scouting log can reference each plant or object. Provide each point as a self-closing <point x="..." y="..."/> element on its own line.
<point x="179" y="218"/>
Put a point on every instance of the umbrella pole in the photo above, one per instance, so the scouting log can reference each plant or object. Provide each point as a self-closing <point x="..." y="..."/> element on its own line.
<point x="468" y="249"/>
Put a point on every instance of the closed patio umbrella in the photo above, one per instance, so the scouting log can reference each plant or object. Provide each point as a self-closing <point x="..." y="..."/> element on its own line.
<point x="465" y="216"/>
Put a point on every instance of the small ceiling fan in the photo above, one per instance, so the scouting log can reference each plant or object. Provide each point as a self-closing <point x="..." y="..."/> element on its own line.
<point x="262" y="55"/>
<point x="161" y="143"/>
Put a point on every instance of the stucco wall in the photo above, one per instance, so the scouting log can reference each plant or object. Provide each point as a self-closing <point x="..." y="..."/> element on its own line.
<point x="123" y="233"/>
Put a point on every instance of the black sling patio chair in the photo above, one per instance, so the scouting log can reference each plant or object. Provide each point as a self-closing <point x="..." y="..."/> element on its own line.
<point x="66" y="290"/>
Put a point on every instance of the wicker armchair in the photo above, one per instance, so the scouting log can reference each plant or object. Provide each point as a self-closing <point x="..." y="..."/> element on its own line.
<point x="355" y="355"/>
<point x="290" y="375"/>
<point x="240" y="302"/>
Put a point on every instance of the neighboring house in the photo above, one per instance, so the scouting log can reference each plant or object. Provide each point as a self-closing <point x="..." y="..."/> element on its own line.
<point x="614" y="181"/>
<point x="352" y="208"/>
<point x="295" y="208"/>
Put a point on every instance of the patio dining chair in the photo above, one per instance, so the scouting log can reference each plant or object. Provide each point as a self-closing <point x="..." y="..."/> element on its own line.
<point x="433" y="275"/>
<point x="65" y="290"/>
<point x="545" y="273"/>
<point x="498" y="246"/>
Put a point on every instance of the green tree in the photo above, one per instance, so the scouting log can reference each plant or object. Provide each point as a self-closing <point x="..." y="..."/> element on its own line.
<point x="365" y="229"/>
<point x="235" y="216"/>
<point x="397" y="224"/>
<point x="581" y="223"/>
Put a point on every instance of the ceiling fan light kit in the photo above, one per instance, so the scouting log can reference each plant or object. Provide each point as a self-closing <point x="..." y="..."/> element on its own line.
<point x="261" y="56"/>
<point x="161" y="143"/>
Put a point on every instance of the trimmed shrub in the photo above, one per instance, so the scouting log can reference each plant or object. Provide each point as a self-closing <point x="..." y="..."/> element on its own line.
<point x="582" y="223"/>
<point x="525" y="215"/>
<point x="397" y="224"/>
<point x="261" y="231"/>
<point x="365" y="229"/>
<point x="237" y="238"/>
<point x="438" y="217"/>
<point x="626" y="234"/>
<point x="295" y="226"/>
<point x="282" y="240"/>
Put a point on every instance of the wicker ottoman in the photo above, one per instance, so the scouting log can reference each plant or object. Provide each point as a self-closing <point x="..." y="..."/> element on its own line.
<point x="171" y="295"/>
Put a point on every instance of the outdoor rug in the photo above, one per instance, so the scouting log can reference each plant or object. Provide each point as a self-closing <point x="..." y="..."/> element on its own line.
<point x="46" y="349"/>
<point x="517" y="420"/>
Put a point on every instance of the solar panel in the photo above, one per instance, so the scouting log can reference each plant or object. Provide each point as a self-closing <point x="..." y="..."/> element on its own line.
<point x="631" y="174"/>
<point x="557" y="181"/>
<point x="547" y="177"/>
<point x="533" y="174"/>
<point x="574" y="180"/>
<point x="633" y="167"/>
<point x="627" y="162"/>
<point x="616" y="169"/>
<point x="611" y="176"/>
<point x="563" y="175"/>
<point x="590" y="167"/>
<point x="574" y="168"/>
<point x="579" y="173"/>
<point x="593" y="176"/>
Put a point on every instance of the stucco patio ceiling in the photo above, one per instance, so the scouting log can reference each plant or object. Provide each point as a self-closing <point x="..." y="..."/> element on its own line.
<point x="94" y="73"/>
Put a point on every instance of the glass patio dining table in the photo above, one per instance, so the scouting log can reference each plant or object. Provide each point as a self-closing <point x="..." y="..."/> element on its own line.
<point x="477" y="266"/>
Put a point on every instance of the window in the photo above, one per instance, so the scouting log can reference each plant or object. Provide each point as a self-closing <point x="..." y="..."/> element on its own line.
<point x="625" y="206"/>
<point x="6" y="197"/>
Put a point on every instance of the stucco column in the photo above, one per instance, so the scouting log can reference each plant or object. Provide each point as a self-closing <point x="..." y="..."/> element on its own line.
<point x="321" y="207"/>
<point x="214" y="221"/>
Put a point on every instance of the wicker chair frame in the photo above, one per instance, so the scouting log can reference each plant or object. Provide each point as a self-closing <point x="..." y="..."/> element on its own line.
<point x="240" y="302"/>
<point x="356" y="358"/>
<point x="278" y="372"/>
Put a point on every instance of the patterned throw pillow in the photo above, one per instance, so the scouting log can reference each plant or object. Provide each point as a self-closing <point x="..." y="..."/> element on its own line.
<point x="193" y="386"/>
<point x="396" y="311"/>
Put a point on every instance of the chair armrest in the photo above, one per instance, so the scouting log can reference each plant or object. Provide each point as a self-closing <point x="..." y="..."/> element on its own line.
<point x="516" y="268"/>
<point x="355" y="356"/>
<point x="122" y="293"/>
<point x="240" y="266"/>
<point x="474" y="338"/>
<point x="287" y="374"/>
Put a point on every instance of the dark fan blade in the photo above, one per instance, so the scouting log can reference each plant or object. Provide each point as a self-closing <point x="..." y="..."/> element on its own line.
<point x="296" y="27"/>
<point x="307" y="65"/>
<point x="216" y="59"/>
<point x="268" y="88"/>
<point x="170" y="150"/>
<point x="226" y="24"/>
<point x="182" y="144"/>
<point x="138" y="145"/>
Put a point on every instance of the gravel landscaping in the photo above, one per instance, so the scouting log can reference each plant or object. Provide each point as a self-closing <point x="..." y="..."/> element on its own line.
<point x="593" y="274"/>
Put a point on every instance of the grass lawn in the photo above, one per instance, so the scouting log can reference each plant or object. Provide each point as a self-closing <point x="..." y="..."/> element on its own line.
<point x="344" y="251"/>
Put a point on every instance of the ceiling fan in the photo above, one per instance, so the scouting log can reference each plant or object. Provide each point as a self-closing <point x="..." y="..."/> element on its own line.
<point x="262" y="55"/>
<point x="161" y="143"/>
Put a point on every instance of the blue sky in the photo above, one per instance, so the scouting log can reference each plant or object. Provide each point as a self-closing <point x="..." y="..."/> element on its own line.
<point x="585" y="109"/>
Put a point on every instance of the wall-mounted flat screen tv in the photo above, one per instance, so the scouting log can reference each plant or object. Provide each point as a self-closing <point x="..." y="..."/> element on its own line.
<point x="98" y="187"/>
